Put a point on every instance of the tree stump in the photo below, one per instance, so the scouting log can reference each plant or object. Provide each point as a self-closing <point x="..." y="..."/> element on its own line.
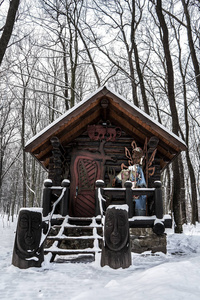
<point x="116" y="250"/>
<point x="27" y="251"/>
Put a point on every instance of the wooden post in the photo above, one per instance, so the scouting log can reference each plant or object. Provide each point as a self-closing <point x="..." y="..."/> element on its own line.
<point x="159" y="227"/>
<point x="55" y="166"/>
<point x="116" y="251"/>
<point x="65" y="200"/>
<point x="99" y="184"/>
<point x="27" y="251"/>
<point x="158" y="200"/>
<point x="129" y="197"/>
<point x="46" y="203"/>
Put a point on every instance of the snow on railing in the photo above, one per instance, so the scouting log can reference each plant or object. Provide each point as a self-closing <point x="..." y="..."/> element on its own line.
<point x="48" y="218"/>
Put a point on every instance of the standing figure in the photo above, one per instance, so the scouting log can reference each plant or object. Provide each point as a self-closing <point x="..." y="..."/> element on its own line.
<point x="138" y="181"/>
<point x="135" y="174"/>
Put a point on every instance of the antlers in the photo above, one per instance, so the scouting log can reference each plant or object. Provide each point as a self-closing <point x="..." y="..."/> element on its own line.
<point x="138" y="153"/>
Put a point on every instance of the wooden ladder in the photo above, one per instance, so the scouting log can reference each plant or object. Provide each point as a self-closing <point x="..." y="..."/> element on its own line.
<point x="73" y="236"/>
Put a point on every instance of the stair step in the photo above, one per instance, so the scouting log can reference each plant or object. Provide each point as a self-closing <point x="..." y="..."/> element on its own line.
<point x="77" y="226"/>
<point x="56" y="217"/>
<point x="71" y="251"/>
<point x="76" y="221"/>
<point x="73" y="236"/>
<point x="84" y="218"/>
<point x="64" y="238"/>
<point x="83" y="222"/>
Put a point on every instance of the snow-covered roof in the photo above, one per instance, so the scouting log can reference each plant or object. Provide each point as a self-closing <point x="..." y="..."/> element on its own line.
<point x="148" y="117"/>
<point x="120" y="111"/>
<point x="62" y="117"/>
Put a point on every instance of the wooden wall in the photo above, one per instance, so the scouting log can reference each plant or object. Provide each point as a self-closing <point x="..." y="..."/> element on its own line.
<point x="114" y="154"/>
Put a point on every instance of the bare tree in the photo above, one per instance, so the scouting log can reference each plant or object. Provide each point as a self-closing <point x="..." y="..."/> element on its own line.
<point x="122" y="19"/>
<point x="66" y="33"/>
<point x="7" y="131"/>
<point x="8" y="27"/>
<point x="186" y="137"/>
<point x="191" y="45"/>
<point x="175" y="119"/>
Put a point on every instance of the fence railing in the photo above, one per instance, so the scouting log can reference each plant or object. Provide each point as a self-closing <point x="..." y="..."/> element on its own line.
<point x="105" y="196"/>
<point x="49" y="204"/>
<point x="126" y="195"/>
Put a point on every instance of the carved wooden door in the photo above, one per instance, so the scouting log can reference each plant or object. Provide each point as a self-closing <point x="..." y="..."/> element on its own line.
<point x="82" y="192"/>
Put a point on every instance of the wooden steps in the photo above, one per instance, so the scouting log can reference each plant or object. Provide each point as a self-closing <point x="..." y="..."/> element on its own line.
<point x="73" y="236"/>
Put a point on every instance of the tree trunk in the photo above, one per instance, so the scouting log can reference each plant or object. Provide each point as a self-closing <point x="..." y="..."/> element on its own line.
<point x="195" y="217"/>
<point x="140" y="75"/>
<point x="8" y="28"/>
<point x="192" y="48"/>
<point x="187" y="132"/>
<point x="137" y="61"/>
<point x="66" y="90"/>
<point x="90" y="57"/>
<point x="32" y="185"/>
<point x="23" y="146"/>
<point x="183" y="206"/>
<point x="175" y="123"/>
<point x="177" y="198"/>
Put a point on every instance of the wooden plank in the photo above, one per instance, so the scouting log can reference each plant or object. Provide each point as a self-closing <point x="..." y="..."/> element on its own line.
<point x="71" y="238"/>
<point x="146" y="222"/>
<point x="71" y="252"/>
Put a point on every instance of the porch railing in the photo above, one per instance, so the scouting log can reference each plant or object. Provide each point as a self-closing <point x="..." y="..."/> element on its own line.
<point x="157" y="221"/>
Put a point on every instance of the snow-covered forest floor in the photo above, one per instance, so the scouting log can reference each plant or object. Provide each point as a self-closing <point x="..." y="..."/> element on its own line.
<point x="175" y="275"/>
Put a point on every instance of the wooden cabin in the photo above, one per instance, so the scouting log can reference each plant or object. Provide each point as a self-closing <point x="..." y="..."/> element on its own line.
<point x="89" y="153"/>
<point x="94" y="139"/>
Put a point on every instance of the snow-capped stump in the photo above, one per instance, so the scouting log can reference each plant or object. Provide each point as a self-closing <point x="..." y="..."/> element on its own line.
<point x="27" y="251"/>
<point x="116" y="250"/>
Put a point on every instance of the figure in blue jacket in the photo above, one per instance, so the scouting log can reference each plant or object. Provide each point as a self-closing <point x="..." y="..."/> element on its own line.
<point x="138" y="181"/>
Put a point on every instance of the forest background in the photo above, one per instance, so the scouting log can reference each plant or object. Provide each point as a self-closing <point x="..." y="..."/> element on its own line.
<point x="53" y="53"/>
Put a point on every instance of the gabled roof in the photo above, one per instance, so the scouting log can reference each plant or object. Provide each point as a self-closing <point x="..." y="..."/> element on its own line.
<point x="108" y="105"/>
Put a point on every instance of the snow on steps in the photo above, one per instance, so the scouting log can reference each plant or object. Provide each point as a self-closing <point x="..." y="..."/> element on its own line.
<point x="73" y="235"/>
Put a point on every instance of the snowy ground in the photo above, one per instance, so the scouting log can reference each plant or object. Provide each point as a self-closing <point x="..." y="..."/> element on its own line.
<point x="172" y="276"/>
